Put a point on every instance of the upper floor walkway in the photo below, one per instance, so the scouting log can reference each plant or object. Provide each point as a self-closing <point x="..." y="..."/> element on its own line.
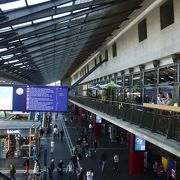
<point x="156" y="125"/>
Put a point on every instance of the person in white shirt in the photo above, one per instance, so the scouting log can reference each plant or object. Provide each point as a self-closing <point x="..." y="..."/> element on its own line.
<point x="70" y="169"/>
<point x="52" y="147"/>
<point x="89" y="174"/>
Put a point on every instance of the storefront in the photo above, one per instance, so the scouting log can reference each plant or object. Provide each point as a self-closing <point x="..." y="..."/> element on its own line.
<point x="17" y="138"/>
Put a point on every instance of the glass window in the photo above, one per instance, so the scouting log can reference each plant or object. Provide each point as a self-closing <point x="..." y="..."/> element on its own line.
<point x="167" y="14"/>
<point x="150" y="95"/>
<point x="168" y="74"/>
<point x="106" y="55"/>
<point x="114" y="50"/>
<point x="137" y="80"/>
<point x="170" y="89"/>
<point x="137" y="95"/>
<point x="150" y="77"/>
<point x="127" y="80"/>
<point x="119" y="80"/>
<point x="142" y="30"/>
<point x="100" y="58"/>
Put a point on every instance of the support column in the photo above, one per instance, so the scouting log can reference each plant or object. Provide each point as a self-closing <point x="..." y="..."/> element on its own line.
<point x="96" y="127"/>
<point x="136" y="159"/>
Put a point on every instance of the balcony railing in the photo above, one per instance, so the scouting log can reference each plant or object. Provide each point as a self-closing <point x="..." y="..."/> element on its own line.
<point x="166" y="123"/>
<point x="4" y="177"/>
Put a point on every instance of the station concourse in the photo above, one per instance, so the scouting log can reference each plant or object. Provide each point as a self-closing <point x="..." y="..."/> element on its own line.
<point x="104" y="72"/>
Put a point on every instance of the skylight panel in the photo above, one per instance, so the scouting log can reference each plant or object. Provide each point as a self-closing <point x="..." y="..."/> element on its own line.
<point x="65" y="5"/>
<point x="79" y="10"/>
<point x="80" y="17"/>
<point x="61" y="15"/>
<point x="13" y="61"/>
<point x="82" y="1"/>
<point x="19" y="64"/>
<point x="22" y="67"/>
<point x="14" y="41"/>
<point x="7" y="56"/>
<point x="13" y="5"/>
<point x="3" y="49"/>
<point x="32" y="2"/>
<point x="42" y="20"/>
<point x="22" y="25"/>
<point x="5" y="29"/>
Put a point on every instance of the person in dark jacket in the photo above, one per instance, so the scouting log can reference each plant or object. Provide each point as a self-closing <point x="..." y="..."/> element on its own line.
<point x="12" y="171"/>
<point x="103" y="160"/>
<point x="51" y="169"/>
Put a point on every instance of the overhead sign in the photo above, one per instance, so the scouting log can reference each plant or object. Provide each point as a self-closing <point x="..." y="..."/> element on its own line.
<point x="7" y="1"/>
<point x="12" y="131"/>
<point x="34" y="98"/>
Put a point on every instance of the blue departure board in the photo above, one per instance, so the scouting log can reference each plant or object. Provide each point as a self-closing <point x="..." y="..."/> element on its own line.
<point x="47" y="98"/>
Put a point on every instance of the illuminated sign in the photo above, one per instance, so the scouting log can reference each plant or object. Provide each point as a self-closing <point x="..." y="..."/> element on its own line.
<point x="12" y="131"/>
<point x="139" y="144"/>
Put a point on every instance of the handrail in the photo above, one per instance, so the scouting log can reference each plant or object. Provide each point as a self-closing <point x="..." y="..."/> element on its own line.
<point x="4" y="176"/>
<point x="147" y="116"/>
<point x="108" y="101"/>
<point x="162" y="107"/>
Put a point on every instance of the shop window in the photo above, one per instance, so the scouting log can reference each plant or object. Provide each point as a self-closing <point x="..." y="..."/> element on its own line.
<point x="137" y="80"/>
<point x="114" y="50"/>
<point x="170" y="89"/>
<point x="137" y="95"/>
<point x="167" y="14"/>
<point x="119" y="81"/>
<point x="127" y="95"/>
<point x="127" y="81"/>
<point x="150" y="77"/>
<point x="106" y="55"/>
<point x="142" y="30"/>
<point x="168" y="74"/>
<point x="100" y="58"/>
<point x="95" y="61"/>
<point x="150" y="95"/>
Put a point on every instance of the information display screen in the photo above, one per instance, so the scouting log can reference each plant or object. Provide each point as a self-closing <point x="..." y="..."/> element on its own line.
<point x="98" y="119"/>
<point x="46" y="98"/>
<point x="33" y="98"/>
<point x="139" y="144"/>
<point x="6" y="98"/>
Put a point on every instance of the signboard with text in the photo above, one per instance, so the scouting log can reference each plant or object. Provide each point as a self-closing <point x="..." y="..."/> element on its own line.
<point x="34" y="98"/>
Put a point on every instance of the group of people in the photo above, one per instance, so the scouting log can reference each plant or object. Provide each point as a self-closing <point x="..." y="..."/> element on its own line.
<point x="57" y="132"/>
<point x="158" y="171"/>
<point x="165" y="100"/>
<point x="36" y="169"/>
<point x="71" y="169"/>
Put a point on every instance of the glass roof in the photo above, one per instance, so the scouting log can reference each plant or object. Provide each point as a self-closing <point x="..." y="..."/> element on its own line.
<point x="49" y="37"/>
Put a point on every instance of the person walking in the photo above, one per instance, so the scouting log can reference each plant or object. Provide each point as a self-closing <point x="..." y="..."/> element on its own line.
<point x="95" y="145"/>
<point x="74" y="161"/>
<point x="60" y="167"/>
<point x="69" y="170"/>
<point x="34" y="153"/>
<point x="52" y="147"/>
<point x="81" y="174"/>
<point x="37" y="169"/>
<point x="26" y="166"/>
<point x="89" y="174"/>
<point x="12" y="171"/>
<point x="116" y="161"/>
<point x="51" y="169"/>
<point x="103" y="160"/>
<point x="62" y="134"/>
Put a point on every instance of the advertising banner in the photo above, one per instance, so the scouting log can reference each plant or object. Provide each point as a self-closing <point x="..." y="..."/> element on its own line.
<point x="172" y="168"/>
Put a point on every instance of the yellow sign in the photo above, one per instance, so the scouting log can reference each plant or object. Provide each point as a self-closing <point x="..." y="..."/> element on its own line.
<point x="164" y="163"/>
